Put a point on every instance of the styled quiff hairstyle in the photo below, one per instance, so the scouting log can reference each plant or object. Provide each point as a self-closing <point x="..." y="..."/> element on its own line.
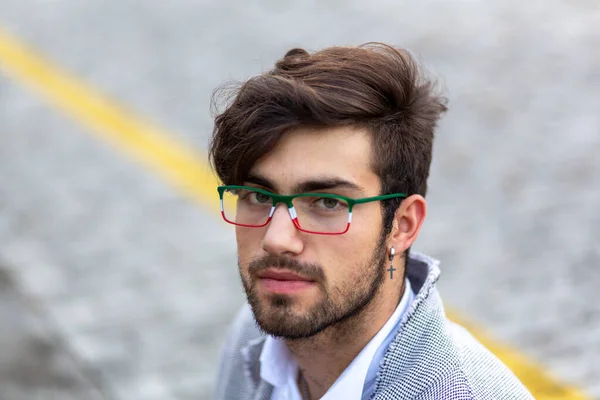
<point x="374" y="86"/>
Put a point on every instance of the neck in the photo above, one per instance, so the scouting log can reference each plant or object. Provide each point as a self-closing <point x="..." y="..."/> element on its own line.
<point x="324" y="357"/>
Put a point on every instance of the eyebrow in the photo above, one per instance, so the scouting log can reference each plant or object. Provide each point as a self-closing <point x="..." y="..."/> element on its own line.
<point x="306" y="186"/>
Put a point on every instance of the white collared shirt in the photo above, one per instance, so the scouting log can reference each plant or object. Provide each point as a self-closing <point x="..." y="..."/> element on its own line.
<point x="278" y="365"/>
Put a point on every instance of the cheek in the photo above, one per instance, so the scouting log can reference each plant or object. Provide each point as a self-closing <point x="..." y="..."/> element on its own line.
<point x="248" y="243"/>
<point x="348" y="259"/>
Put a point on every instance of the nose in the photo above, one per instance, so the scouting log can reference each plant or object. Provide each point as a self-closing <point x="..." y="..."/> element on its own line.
<point x="281" y="236"/>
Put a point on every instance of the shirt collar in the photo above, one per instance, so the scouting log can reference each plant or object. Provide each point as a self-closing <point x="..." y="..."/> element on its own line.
<point x="277" y="362"/>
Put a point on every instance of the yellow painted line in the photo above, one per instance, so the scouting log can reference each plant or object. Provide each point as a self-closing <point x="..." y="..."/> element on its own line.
<point x="189" y="171"/>
<point x="142" y="140"/>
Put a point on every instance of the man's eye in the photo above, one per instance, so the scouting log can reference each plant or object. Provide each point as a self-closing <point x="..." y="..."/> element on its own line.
<point x="329" y="203"/>
<point x="259" y="198"/>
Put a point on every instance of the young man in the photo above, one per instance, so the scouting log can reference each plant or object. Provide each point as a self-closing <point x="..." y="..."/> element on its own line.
<point x="324" y="161"/>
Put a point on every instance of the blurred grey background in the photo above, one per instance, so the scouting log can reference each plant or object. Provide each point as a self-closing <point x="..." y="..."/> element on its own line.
<point x="114" y="285"/>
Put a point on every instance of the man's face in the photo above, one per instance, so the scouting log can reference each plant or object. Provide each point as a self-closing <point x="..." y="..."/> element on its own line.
<point x="342" y="273"/>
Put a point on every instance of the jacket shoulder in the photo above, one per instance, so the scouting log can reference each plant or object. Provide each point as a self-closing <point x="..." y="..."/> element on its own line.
<point x="460" y="369"/>
<point x="487" y="376"/>
<point x="476" y="374"/>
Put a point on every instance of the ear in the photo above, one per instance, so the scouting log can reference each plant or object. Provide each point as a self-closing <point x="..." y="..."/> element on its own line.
<point x="407" y="223"/>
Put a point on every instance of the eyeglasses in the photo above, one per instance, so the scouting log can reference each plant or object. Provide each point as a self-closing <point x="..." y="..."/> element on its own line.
<point x="318" y="213"/>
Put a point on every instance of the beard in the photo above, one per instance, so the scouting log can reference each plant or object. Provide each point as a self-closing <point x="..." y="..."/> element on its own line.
<point x="275" y="315"/>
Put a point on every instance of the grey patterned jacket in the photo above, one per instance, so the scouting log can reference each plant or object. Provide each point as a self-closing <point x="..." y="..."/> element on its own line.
<point x="430" y="357"/>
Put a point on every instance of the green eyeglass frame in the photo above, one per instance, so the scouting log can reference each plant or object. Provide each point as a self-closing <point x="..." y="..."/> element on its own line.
<point x="287" y="200"/>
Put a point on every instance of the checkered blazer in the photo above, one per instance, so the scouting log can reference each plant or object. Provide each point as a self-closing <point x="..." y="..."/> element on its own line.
<point x="431" y="358"/>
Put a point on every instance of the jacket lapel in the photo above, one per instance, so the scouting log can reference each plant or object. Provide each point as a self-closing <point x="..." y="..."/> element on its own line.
<point x="251" y="353"/>
<point x="420" y="330"/>
<point x="263" y="391"/>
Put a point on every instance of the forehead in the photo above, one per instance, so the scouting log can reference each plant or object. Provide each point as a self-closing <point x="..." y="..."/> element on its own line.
<point x="307" y="154"/>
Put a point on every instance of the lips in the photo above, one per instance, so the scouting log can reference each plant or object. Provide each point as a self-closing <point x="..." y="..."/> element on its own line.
<point x="284" y="282"/>
<point x="282" y="276"/>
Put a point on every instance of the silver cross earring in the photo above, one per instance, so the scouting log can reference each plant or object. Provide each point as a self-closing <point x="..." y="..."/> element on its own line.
<point x="392" y="269"/>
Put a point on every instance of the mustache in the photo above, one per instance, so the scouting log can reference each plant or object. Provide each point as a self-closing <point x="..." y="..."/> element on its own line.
<point x="309" y="270"/>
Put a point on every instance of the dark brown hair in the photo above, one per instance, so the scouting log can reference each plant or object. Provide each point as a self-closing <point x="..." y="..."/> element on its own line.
<point x="373" y="86"/>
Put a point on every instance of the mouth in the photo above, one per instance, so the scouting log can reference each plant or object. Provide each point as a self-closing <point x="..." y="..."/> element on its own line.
<point x="283" y="281"/>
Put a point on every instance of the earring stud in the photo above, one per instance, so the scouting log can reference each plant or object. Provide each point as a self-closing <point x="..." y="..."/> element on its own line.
<point x="392" y="269"/>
